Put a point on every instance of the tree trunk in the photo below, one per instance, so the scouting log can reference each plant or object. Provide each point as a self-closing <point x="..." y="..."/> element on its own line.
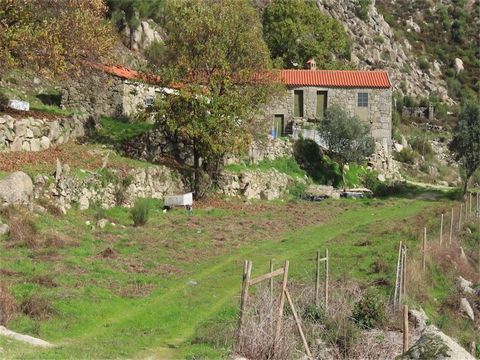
<point x="465" y="186"/>
<point x="196" y="168"/>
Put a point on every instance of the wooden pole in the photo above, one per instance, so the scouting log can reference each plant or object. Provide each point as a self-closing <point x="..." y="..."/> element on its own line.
<point x="327" y="261"/>
<point x="460" y="218"/>
<point x="247" y="271"/>
<point x="451" y="228"/>
<point x="271" y="281"/>
<point x="405" y="328"/>
<point x="466" y="209"/>
<point x="299" y="324"/>
<point x="282" y="301"/>
<point x="404" y="271"/>
<point x="424" y="248"/>
<point x="397" y="279"/>
<point x="478" y="204"/>
<point x="441" y="230"/>
<point x="470" y="205"/>
<point x="317" y="280"/>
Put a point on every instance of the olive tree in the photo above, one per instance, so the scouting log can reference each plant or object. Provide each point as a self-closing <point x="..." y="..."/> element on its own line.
<point x="215" y="55"/>
<point x="347" y="138"/>
<point x="465" y="144"/>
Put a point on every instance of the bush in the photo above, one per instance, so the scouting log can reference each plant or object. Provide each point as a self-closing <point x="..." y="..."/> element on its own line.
<point x="7" y="305"/>
<point x="422" y="146"/>
<point x="140" y="212"/>
<point x="407" y="156"/>
<point x="369" y="311"/>
<point x="423" y="64"/>
<point x="343" y="334"/>
<point x="23" y="230"/>
<point x="362" y="9"/>
<point x="314" y="313"/>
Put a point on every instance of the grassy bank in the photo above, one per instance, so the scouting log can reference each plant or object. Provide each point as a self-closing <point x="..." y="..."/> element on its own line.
<point x="147" y="294"/>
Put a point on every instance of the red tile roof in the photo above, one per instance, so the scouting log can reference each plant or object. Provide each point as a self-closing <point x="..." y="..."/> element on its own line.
<point x="336" y="78"/>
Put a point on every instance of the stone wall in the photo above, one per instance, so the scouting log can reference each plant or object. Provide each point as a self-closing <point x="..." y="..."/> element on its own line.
<point x="117" y="189"/>
<point x="33" y="134"/>
<point x="95" y="94"/>
<point x="267" y="185"/>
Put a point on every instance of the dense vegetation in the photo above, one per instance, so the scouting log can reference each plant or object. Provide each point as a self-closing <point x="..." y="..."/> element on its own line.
<point x="296" y="30"/>
<point x="447" y="32"/>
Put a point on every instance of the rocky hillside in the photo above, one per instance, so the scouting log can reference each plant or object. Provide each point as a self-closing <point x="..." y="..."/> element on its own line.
<point x="374" y="45"/>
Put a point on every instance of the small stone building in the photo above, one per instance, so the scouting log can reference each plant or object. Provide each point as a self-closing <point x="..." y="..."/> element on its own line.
<point x="367" y="94"/>
<point x="110" y="90"/>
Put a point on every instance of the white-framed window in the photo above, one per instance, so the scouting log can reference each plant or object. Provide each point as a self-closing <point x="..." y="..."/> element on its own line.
<point x="362" y="99"/>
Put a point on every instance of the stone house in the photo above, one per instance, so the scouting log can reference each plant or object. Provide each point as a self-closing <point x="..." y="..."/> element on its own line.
<point x="110" y="90"/>
<point x="309" y="93"/>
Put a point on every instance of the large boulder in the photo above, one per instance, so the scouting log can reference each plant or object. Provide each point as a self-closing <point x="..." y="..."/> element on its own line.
<point x="16" y="188"/>
<point x="434" y="344"/>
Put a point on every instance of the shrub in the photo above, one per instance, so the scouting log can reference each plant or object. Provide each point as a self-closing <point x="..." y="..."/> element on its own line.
<point x="369" y="311"/>
<point x="370" y="180"/>
<point x="23" y="230"/>
<point x="7" y="305"/>
<point x="362" y="9"/>
<point x="37" y="307"/>
<point x="407" y="156"/>
<point x="140" y="212"/>
<point x="422" y="146"/>
<point x="342" y="333"/>
<point x="423" y="64"/>
<point x="314" y="313"/>
<point x="297" y="189"/>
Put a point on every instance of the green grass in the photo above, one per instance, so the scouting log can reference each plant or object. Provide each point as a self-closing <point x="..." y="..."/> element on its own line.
<point x="284" y="165"/>
<point x="94" y="318"/>
<point x="116" y="131"/>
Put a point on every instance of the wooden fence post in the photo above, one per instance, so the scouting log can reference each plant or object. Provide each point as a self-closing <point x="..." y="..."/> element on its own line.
<point x="317" y="280"/>
<point x="397" y="279"/>
<point x="424" y="247"/>
<point x="404" y="271"/>
<point x="247" y="271"/>
<point x="299" y="324"/>
<point x="470" y="205"/>
<point x="271" y="281"/>
<point x="282" y="301"/>
<point x="451" y="228"/>
<point x="460" y="218"/>
<point x="327" y="264"/>
<point x="405" y="328"/>
<point x="441" y="229"/>
<point x="466" y="210"/>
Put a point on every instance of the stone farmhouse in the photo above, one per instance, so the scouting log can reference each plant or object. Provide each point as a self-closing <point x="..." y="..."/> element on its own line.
<point x="118" y="91"/>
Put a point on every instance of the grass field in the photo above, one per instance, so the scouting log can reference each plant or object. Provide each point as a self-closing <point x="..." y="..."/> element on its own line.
<point x="145" y="292"/>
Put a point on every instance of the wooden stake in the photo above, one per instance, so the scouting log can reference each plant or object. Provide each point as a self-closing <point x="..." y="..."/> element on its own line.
<point x="460" y="218"/>
<point x="397" y="279"/>
<point x="470" y="205"/>
<point x="466" y="209"/>
<point x="282" y="301"/>
<point x="317" y="280"/>
<point x="424" y="247"/>
<point x="441" y="230"/>
<point x="299" y="324"/>
<point x="326" y="278"/>
<point x="451" y="228"/>
<point x="400" y="286"/>
<point x="271" y="281"/>
<point x="404" y="271"/>
<point x="247" y="271"/>
<point x="405" y="328"/>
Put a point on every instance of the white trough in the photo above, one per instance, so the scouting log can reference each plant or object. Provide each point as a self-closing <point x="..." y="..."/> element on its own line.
<point x="19" y="105"/>
<point x="185" y="200"/>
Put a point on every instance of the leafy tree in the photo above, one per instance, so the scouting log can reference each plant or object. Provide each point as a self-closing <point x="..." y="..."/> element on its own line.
<point x="347" y="138"/>
<point x="52" y="36"/>
<point x="215" y="51"/>
<point x="296" y="30"/>
<point x="465" y="144"/>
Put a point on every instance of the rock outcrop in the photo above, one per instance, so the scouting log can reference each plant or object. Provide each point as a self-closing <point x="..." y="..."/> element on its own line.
<point x="375" y="47"/>
<point x="434" y="344"/>
<point x="16" y="188"/>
